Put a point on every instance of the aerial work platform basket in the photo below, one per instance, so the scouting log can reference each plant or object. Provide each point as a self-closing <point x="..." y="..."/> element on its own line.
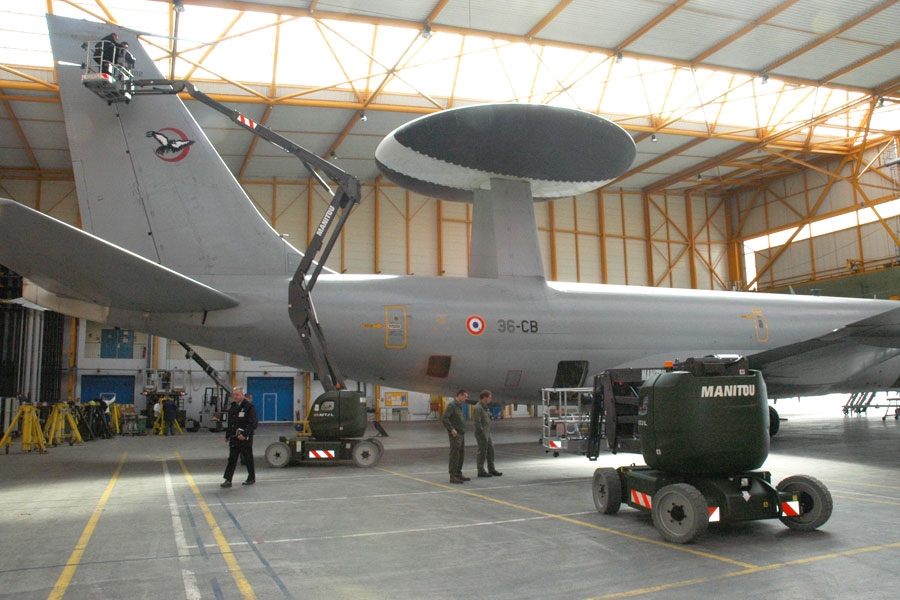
<point x="107" y="71"/>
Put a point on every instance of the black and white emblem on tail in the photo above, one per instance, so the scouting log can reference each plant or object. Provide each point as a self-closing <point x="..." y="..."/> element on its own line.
<point x="166" y="145"/>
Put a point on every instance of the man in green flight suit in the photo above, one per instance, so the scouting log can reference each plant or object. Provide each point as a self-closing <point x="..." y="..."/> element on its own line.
<point x="483" y="436"/>
<point x="456" y="430"/>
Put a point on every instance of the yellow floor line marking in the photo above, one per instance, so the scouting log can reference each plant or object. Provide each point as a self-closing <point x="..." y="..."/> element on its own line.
<point x="242" y="584"/>
<point x="858" y="484"/>
<point x="748" y="569"/>
<point x="864" y="499"/>
<point x="65" y="577"/>
<point x="751" y="571"/>
<point x="580" y="523"/>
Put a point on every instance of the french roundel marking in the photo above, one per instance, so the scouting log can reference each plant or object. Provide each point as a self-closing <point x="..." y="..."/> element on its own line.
<point x="475" y="325"/>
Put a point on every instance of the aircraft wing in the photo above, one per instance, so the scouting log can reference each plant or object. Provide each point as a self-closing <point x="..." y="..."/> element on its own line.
<point x="882" y="330"/>
<point x="837" y="357"/>
<point x="75" y="264"/>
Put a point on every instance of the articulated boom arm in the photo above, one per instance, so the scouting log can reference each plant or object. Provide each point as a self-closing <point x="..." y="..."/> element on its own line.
<point x="343" y="199"/>
<point x="208" y="369"/>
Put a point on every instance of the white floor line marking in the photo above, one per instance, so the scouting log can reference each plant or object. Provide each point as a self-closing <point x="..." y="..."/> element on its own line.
<point x="405" y="531"/>
<point x="191" y="591"/>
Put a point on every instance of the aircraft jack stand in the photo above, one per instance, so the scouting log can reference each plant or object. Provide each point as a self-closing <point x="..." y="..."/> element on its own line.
<point x="31" y="430"/>
<point x="55" y="427"/>
<point x="159" y="426"/>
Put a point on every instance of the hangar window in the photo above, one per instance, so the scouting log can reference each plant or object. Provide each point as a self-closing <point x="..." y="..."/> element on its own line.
<point x="438" y="366"/>
<point x="570" y="373"/>
<point x="813" y="229"/>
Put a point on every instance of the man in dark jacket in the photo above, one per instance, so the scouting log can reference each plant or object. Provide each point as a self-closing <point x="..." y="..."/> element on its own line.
<point x="456" y="428"/>
<point x="242" y="422"/>
<point x="105" y="52"/>
<point x="170" y="413"/>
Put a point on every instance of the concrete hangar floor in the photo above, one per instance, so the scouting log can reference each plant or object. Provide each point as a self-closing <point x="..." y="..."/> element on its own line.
<point x="144" y="517"/>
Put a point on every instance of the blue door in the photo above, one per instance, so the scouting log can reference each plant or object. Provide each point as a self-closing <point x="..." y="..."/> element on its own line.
<point x="93" y="386"/>
<point x="273" y="397"/>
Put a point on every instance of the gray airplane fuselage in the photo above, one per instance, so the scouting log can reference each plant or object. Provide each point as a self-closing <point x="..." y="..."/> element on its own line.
<point x="384" y="329"/>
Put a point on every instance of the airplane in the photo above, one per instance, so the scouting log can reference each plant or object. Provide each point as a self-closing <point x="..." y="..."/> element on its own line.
<point x="172" y="245"/>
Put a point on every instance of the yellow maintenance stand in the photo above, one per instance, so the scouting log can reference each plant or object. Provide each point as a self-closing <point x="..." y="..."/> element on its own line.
<point x="159" y="426"/>
<point x="115" y="418"/>
<point x="30" y="428"/>
<point x="55" y="427"/>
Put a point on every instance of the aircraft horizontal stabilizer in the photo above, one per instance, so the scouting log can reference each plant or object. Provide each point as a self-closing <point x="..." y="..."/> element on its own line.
<point x="74" y="264"/>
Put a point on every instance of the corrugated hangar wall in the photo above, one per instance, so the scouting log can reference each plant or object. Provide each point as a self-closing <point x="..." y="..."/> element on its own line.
<point x="818" y="196"/>
<point x="606" y="236"/>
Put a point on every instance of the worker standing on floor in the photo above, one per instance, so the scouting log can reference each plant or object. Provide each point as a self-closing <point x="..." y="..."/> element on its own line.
<point x="170" y="413"/>
<point x="483" y="436"/>
<point x="456" y="429"/>
<point x="242" y="422"/>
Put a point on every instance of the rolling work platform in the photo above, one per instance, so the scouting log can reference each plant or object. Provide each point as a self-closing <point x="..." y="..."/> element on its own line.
<point x="577" y="419"/>
<point x="860" y="402"/>
<point x="566" y="419"/>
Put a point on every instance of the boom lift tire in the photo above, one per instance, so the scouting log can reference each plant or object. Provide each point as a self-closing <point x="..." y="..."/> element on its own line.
<point x="815" y="502"/>
<point x="366" y="453"/>
<point x="774" y="421"/>
<point x="607" y="491"/>
<point x="680" y="513"/>
<point x="379" y="445"/>
<point x="278" y="455"/>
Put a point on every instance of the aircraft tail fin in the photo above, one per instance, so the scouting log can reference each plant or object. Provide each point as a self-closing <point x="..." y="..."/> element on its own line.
<point x="149" y="180"/>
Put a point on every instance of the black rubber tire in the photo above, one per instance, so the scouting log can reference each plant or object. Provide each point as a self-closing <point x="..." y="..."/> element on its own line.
<point x="379" y="445"/>
<point x="606" y="488"/>
<point x="680" y="513"/>
<point x="365" y="454"/>
<point x="774" y="421"/>
<point x="278" y="455"/>
<point x="815" y="502"/>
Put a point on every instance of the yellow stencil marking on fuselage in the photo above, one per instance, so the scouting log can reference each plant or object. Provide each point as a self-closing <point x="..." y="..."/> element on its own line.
<point x="760" y="323"/>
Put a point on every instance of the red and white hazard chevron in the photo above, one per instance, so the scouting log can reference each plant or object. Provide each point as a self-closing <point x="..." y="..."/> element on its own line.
<point x="641" y="499"/>
<point x="246" y="122"/>
<point x="790" y="509"/>
<point x="554" y="444"/>
<point x="321" y="453"/>
<point x="715" y="515"/>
